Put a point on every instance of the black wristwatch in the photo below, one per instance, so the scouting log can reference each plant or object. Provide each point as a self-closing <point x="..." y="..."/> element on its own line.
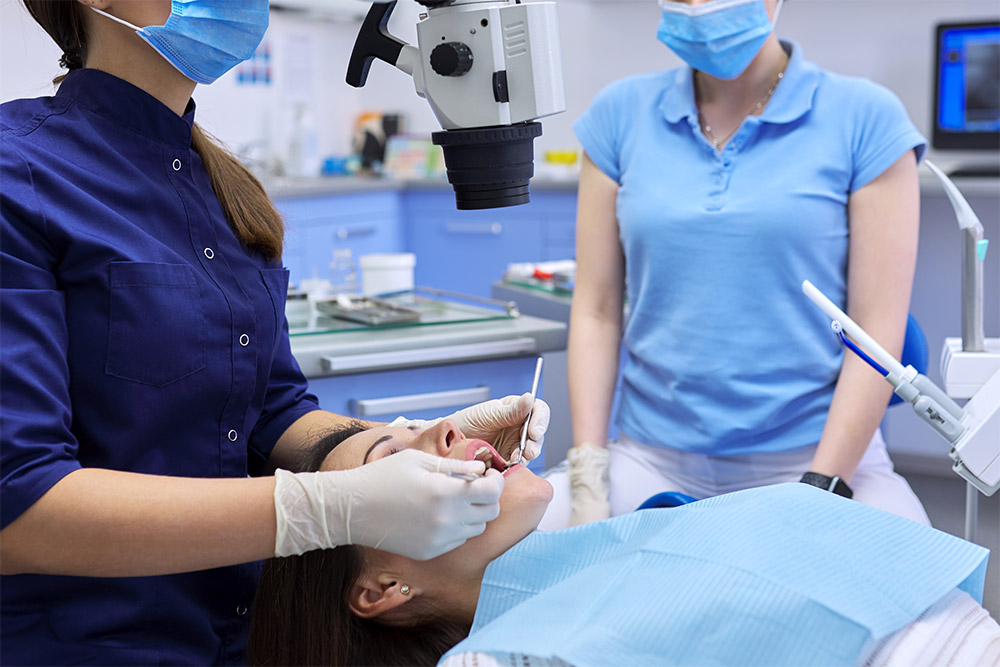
<point x="832" y="484"/>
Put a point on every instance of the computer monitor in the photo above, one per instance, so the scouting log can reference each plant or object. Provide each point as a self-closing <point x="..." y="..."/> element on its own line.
<point x="967" y="86"/>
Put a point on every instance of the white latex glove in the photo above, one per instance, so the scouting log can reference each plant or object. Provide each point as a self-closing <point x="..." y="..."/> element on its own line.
<point x="401" y="503"/>
<point x="498" y="422"/>
<point x="588" y="483"/>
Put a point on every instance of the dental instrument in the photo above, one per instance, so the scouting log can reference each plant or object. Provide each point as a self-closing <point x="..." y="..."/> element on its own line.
<point x="968" y="363"/>
<point x="972" y="430"/>
<point x="534" y="390"/>
<point x="467" y="476"/>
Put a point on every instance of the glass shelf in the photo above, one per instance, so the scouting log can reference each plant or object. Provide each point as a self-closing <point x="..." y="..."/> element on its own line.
<point x="432" y="311"/>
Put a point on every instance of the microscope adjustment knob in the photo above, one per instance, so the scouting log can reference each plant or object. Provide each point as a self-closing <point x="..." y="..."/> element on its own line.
<point x="451" y="59"/>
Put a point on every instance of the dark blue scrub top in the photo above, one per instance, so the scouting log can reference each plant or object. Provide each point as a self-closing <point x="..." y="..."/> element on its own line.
<point x="138" y="334"/>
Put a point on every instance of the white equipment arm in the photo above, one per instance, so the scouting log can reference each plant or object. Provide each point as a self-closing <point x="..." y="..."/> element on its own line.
<point x="973" y="431"/>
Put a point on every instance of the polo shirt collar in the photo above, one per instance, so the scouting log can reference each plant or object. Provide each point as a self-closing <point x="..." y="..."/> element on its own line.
<point x="127" y="105"/>
<point x="791" y="100"/>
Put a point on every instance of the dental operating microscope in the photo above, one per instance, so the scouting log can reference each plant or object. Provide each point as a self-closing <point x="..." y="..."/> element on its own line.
<point x="489" y="70"/>
<point x="970" y="366"/>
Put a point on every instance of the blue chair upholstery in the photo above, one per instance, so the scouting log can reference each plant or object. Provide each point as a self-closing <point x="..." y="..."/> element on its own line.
<point x="666" y="499"/>
<point x="914" y="351"/>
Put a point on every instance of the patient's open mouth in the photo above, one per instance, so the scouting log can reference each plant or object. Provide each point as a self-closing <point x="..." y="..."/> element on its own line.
<point x="480" y="451"/>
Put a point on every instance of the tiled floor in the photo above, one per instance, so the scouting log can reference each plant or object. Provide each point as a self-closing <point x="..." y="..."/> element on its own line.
<point x="944" y="500"/>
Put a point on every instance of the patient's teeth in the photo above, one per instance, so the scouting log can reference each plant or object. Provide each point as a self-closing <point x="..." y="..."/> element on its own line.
<point x="485" y="455"/>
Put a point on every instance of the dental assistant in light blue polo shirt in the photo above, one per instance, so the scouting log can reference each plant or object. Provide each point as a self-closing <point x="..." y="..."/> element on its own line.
<point x="708" y="194"/>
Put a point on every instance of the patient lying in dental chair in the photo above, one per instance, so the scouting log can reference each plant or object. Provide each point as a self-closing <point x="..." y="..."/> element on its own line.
<point x="786" y="574"/>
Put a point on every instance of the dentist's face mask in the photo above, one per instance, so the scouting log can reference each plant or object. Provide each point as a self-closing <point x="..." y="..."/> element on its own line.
<point x="204" y="39"/>
<point x="721" y="37"/>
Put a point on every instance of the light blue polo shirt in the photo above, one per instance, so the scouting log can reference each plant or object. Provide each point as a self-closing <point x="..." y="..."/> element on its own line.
<point x="724" y="354"/>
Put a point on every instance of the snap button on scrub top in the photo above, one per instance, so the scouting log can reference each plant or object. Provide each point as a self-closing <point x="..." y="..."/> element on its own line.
<point x="241" y="610"/>
<point x="177" y="164"/>
<point x="244" y="340"/>
<point x="233" y="435"/>
<point x="135" y="283"/>
<point x="209" y="253"/>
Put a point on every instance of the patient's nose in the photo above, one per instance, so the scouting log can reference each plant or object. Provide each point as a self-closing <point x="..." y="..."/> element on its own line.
<point x="440" y="439"/>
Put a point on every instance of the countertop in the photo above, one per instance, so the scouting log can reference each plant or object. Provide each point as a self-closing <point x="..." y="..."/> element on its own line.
<point x="537" y="302"/>
<point x="344" y="353"/>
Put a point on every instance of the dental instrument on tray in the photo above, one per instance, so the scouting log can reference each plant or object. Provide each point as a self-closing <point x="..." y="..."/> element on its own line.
<point x="972" y="430"/>
<point x="534" y="390"/>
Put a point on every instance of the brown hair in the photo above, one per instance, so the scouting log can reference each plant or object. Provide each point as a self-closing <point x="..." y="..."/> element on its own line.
<point x="249" y="211"/>
<point x="301" y="614"/>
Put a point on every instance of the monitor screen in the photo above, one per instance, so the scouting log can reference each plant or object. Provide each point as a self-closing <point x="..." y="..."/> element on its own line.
<point x="967" y="86"/>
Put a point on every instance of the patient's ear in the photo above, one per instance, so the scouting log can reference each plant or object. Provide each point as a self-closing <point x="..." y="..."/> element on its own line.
<point x="374" y="595"/>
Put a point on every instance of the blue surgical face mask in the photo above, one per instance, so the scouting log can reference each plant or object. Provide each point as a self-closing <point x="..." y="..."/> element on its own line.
<point x="721" y="37"/>
<point x="204" y="39"/>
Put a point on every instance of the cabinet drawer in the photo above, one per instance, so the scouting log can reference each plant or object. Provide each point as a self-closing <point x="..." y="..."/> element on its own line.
<point x="467" y="251"/>
<point x="365" y="223"/>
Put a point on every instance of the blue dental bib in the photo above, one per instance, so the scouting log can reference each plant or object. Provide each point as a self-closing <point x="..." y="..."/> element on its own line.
<point x="780" y="575"/>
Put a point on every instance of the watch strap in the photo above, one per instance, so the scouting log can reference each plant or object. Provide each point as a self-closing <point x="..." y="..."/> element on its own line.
<point x="832" y="484"/>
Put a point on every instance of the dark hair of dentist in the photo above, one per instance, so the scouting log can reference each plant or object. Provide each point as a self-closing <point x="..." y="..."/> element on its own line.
<point x="148" y="386"/>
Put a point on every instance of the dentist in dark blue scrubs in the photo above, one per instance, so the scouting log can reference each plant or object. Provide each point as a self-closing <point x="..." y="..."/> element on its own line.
<point x="147" y="388"/>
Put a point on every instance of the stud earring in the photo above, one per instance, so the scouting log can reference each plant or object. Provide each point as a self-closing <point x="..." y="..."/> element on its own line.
<point x="404" y="589"/>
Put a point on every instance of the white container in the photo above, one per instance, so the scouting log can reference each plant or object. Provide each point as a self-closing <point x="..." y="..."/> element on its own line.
<point x="386" y="272"/>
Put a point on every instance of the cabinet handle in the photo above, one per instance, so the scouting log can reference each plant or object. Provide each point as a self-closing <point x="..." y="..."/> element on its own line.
<point x="401" y="405"/>
<point x="344" y="233"/>
<point x="488" y="228"/>
<point x="427" y="355"/>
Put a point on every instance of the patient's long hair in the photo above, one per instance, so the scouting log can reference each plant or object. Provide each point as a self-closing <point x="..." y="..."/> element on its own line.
<point x="301" y="614"/>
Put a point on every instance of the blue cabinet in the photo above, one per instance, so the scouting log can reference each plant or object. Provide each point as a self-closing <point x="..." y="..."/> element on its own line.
<point x="364" y="222"/>
<point x="456" y="250"/>
<point x="559" y="214"/>
<point x="466" y="251"/>
<point x="357" y="395"/>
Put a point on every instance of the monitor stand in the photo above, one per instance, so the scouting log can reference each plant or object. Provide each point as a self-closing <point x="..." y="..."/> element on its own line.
<point x="975" y="171"/>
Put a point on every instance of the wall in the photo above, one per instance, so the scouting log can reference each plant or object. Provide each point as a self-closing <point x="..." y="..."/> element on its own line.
<point x="888" y="41"/>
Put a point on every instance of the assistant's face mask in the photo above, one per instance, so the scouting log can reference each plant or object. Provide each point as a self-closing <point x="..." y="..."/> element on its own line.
<point x="721" y="37"/>
<point x="204" y="39"/>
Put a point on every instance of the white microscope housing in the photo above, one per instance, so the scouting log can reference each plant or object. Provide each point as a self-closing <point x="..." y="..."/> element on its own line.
<point x="469" y="49"/>
<point x="489" y="70"/>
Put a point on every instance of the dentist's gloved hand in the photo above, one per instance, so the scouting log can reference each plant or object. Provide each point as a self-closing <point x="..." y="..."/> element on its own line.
<point x="498" y="422"/>
<point x="588" y="483"/>
<point x="402" y="503"/>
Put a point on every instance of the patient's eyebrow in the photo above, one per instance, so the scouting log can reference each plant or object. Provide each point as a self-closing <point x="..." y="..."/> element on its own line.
<point x="375" y="444"/>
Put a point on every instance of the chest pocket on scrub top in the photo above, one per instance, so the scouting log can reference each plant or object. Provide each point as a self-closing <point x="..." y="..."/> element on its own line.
<point x="156" y="327"/>
<point x="276" y="281"/>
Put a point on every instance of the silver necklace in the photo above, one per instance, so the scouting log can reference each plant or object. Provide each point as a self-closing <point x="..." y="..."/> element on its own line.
<point x="719" y="143"/>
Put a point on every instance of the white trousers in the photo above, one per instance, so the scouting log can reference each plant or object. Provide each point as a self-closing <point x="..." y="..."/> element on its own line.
<point x="638" y="472"/>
